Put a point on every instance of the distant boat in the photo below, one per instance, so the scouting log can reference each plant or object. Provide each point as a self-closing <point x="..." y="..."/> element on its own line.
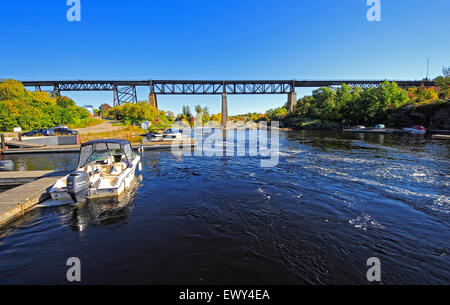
<point x="169" y="134"/>
<point x="416" y="129"/>
<point x="380" y="126"/>
<point x="154" y="136"/>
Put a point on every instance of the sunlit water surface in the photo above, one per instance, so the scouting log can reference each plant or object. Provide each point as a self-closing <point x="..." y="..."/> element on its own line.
<point x="333" y="201"/>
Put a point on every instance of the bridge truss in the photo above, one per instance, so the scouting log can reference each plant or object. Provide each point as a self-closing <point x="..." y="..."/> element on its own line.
<point x="125" y="91"/>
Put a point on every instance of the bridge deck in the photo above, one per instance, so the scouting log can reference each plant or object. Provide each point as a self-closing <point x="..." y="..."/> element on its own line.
<point x="209" y="86"/>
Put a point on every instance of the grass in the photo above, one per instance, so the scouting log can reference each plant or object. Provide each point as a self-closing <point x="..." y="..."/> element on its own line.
<point x="89" y="123"/>
<point x="130" y="133"/>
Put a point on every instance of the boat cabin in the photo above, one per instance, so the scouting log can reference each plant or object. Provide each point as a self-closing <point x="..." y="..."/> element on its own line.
<point x="106" y="157"/>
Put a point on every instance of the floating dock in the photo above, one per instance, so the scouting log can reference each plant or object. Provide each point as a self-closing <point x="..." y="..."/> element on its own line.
<point x="373" y="130"/>
<point x="441" y="136"/>
<point x="76" y="148"/>
<point x="17" y="201"/>
<point x="22" y="144"/>
<point x="14" y="178"/>
<point x="392" y="130"/>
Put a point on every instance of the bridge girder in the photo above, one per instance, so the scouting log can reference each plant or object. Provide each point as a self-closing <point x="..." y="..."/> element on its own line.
<point x="219" y="88"/>
<point x="213" y="86"/>
<point x="125" y="91"/>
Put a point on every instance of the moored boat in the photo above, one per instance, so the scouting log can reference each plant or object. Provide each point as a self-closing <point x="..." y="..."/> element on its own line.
<point x="168" y="135"/>
<point x="105" y="168"/>
<point x="416" y="129"/>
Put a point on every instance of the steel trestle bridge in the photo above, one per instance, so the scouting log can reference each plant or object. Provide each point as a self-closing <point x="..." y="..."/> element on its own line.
<point x="125" y="91"/>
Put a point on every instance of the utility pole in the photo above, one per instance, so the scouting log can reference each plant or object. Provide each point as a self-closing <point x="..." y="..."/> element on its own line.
<point x="428" y="67"/>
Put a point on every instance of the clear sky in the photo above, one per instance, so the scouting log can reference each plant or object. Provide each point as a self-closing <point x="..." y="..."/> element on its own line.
<point x="221" y="39"/>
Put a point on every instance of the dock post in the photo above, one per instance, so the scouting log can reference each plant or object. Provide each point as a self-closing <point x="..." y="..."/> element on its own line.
<point x="3" y="140"/>
<point x="224" y="110"/>
<point x="19" y="136"/>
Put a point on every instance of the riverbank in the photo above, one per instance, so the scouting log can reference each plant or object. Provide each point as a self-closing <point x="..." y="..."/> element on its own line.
<point x="434" y="116"/>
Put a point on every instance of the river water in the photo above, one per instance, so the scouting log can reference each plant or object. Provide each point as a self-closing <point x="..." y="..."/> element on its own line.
<point x="333" y="201"/>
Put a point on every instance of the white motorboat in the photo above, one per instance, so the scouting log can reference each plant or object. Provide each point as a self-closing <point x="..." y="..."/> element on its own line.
<point x="173" y="134"/>
<point x="168" y="135"/>
<point x="105" y="168"/>
<point x="154" y="136"/>
<point x="416" y="129"/>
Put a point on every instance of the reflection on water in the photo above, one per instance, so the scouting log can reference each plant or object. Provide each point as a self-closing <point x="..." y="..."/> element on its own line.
<point x="105" y="211"/>
<point x="31" y="162"/>
<point x="334" y="200"/>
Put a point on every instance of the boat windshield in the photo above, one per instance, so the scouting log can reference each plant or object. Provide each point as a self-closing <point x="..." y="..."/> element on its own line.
<point x="172" y="130"/>
<point x="98" y="152"/>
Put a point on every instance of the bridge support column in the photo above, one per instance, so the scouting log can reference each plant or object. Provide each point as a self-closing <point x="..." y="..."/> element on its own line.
<point x="292" y="101"/>
<point x="56" y="92"/>
<point x="224" y="110"/>
<point x="152" y="99"/>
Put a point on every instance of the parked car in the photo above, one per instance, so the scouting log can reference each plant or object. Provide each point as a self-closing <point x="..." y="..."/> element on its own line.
<point x="39" y="132"/>
<point x="65" y="131"/>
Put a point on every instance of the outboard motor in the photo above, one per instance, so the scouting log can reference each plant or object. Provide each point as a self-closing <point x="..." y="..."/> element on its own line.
<point x="78" y="186"/>
<point x="6" y="165"/>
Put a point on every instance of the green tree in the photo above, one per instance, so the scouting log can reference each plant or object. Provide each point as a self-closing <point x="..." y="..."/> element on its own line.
<point x="22" y="108"/>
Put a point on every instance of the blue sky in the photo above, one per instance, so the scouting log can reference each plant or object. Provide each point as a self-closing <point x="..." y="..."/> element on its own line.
<point x="221" y="39"/>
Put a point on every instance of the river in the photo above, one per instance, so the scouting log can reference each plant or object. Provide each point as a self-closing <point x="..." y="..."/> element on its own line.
<point x="333" y="201"/>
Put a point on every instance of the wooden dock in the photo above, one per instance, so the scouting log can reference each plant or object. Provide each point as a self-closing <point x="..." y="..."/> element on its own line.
<point x="17" y="201"/>
<point x="373" y="130"/>
<point x="441" y="136"/>
<point x="76" y="148"/>
<point x="21" y="144"/>
<point x="11" y="178"/>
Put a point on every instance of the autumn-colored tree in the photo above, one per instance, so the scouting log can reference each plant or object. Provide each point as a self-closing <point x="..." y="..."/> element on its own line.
<point x="131" y="114"/>
<point x="22" y="108"/>
<point x="104" y="108"/>
<point x="422" y="94"/>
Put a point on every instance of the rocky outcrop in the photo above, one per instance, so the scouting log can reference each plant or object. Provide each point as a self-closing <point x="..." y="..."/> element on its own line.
<point x="441" y="119"/>
<point x="296" y="122"/>
<point x="435" y="115"/>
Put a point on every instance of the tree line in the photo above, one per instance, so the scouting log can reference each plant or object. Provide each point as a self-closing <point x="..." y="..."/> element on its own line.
<point x="22" y="108"/>
<point x="356" y="105"/>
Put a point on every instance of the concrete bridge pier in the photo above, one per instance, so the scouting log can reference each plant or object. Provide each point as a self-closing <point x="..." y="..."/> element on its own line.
<point x="224" y="110"/>
<point x="292" y="101"/>
<point x="152" y="99"/>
